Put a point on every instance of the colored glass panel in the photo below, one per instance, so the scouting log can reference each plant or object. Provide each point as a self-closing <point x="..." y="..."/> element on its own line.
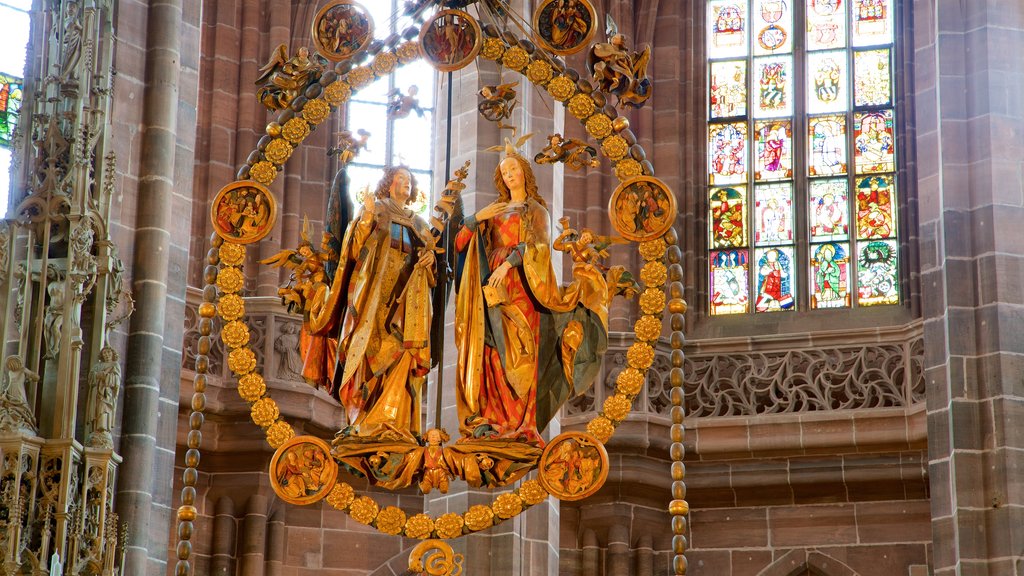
<point x="829" y="210"/>
<point x="775" y="287"/>
<point x="830" y="269"/>
<point x="730" y="292"/>
<point x="728" y="217"/>
<point x="877" y="266"/>
<point x="872" y="22"/>
<point x="727" y="153"/>
<point x="10" y="107"/>
<point x="774" y="140"/>
<point x="872" y="84"/>
<point x="774" y="89"/>
<point x="873" y="149"/>
<point x="772" y="26"/>
<point x="827" y="151"/>
<point x="875" y="212"/>
<point x="826" y="24"/>
<point x="727" y="26"/>
<point x="827" y="84"/>
<point x="728" y="89"/>
<point x="773" y="214"/>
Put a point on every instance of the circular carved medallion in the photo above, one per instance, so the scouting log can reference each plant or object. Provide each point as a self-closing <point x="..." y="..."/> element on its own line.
<point x="564" y="26"/>
<point x="342" y="29"/>
<point x="642" y="208"/>
<point x="243" y="212"/>
<point x="573" y="466"/>
<point x="302" y="470"/>
<point x="450" y="40"/>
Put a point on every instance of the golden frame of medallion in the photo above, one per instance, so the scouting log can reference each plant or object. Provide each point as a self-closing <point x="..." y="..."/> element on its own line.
<point x="230" y="235"/>
<point x="667" y="219"/>
<point x="563" y="52"/>
<point x="318" y="43"/>
<point x="582" y="439"/>
<point x="328" y="480"/>
<point x="465" y="61"/>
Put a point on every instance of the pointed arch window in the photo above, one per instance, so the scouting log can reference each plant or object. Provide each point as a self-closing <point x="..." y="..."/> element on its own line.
<point x="801" y="175"/>
<point x="13" y="44"/>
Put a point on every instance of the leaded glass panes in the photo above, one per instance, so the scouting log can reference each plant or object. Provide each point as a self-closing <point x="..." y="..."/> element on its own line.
<point x="775" y="281"/>
<point x="727" y="153"/>
<point x="872" y="22"/>
<point x="774" y="88"/>
<point x="802" y="205"/>
<point x="830" y="269"/>
<point x="877" y="273"/>
<point x="10" y="107"/>
<point x="774" y="141"/>
<point x="826" y="82"/>
<point x="728" y="89"/>
<point x="773" y="26"/>
<point x="727" y="26"/>
<point x="773" y="213"/>
<point x="730" y="293"/>
<point x="728" y="217"/>
<point x="826" y="24"/>
<point x="873" y="142"/>
<point x="826" y="137"/>
<point x="872" y="84"/>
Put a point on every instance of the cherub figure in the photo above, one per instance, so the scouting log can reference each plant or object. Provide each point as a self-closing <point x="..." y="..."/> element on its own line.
<point x="348" y="146"/>
<point x="498" y="101"/>
<point x="573" y="152"/>
<point x="308" y="275"/>
<point x="436" y="472"/>
<point x="584" y="246"/>
<point x="400" y="106"/>
<point x="620" y="71"/>
<point x="282" y="79"/>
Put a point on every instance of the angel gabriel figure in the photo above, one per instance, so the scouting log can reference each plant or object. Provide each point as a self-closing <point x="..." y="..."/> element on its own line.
<point x="282" y="79"/>
<point x="619" y="71"/>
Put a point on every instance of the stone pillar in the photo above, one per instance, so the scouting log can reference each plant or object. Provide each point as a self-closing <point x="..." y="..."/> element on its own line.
<point x="276" y="533"/>
<point x="645" y="556"/>
<point x="223" y="545"/>
<point x="591" y="558"/>
<point x="254" y="537"/>
<point x="970" y="121"/>
<point x="618" y="551"/>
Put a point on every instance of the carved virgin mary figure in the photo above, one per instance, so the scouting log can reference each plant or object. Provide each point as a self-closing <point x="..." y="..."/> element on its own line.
<point x="525" y="343"/>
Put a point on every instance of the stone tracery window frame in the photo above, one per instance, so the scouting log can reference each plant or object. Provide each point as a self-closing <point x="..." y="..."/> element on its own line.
<point x="903" y="219"/>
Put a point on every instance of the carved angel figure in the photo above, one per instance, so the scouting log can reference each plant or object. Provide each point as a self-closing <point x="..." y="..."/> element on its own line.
<point x="348" y="146"/>
<point x="498" y="101"/>
<point x="282" y="79"/>
<point x="307" y="266"/>
<point x="573" y="152"/>
<point x="15" y="413"/>
<point x="436" y="471"/>
<point x="401" y="105"/>
<point x="584" y="246"/>
<point x="620" y="71"/>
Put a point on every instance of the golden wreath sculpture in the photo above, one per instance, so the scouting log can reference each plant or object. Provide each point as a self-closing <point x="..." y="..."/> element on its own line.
<point x="245" y="211"/>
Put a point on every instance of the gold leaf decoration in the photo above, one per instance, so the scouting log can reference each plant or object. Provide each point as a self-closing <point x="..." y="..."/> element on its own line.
<point x="640" y="355"/>
<point x="341" y="496"/>
<point x="337" y="92"/>
<point x="207" y="310"/>
<point x="279" y="433"/>
<point x="561" y="88"/>
<point x="232" y="254"/>
<point x="539" y="72"/>
<point x="391" y="520"/>
<point x="384" y="63"/>
<point x="251" y="387"/>
<point x="532" y="492"/>
<point x="507" y="505"/>
<point x="231" y="307"/>
<point x="419" y="527"/>
<point x="241" y="361"/>
<point x="278" y="151"/>
<point x="653" y="274"/>
<point x="581" y="106"/>
<point x="599" y="126"/>
<point x="263" y="172"/>
<point x="230" y="280"/>
<point x="295" y="130"/>
<point x="316" y="111"/>
<point x="628" y="168"/>
<point x="652" y="301"/>
<point x="492" y="49"/>
<point x="515" y="58"/>
<point x="235" y="334"/>
<point x="448" y="526"/>
<point x="617" y="407"/>
<point x="630" y="381"/>
<point x="264" y="412"/>
<point x="360" y="77"/>
<point x="408" y="51"/>
<point x="479" y="517"/>
<point x="653" y="249"/>
<point x="364" y="510"/>
<point x="601" y="428"/>
<point x="615" y="147"/>
<point x="647" y="328"/>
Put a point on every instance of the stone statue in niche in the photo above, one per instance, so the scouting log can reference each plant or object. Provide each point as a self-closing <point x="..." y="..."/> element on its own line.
<point x="53" y="318"/>
<point x="289" y="358"/>
<point x="104" y="385"/>
<point x="15" y="412"/>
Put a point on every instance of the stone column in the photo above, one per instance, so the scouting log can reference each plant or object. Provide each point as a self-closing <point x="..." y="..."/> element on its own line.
<point x="970" y="122"/>
<point x="223" y="545"/>
<point x="276" y="543"/>
<point x="254" y="537"/>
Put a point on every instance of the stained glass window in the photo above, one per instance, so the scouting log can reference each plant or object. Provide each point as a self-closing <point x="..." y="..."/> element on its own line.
<point x="10" y="107"/>
<point x="802" y="193"/>
<point x="14" y="40"/>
